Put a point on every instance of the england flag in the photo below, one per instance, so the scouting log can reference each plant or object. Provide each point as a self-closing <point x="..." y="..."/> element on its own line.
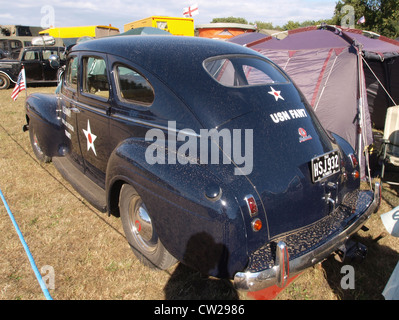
<point x="190" y="11"/>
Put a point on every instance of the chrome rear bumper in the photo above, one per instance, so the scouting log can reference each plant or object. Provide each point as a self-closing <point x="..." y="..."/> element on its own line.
<point x="285" y="268"/>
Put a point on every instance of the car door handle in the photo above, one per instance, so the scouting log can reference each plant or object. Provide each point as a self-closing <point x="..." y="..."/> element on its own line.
<point x="74" y="109"/>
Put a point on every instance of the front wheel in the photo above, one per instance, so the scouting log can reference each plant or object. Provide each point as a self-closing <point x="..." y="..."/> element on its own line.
<point x="140" y="232"/>
<point x="37" y="150"/>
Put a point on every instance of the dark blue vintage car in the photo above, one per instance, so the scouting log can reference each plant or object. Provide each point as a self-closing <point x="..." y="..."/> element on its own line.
<point x="207" y="151"/>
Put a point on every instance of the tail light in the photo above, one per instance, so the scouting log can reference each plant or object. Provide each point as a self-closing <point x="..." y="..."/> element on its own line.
<point x="256" y="224"/>
<point x="251" y="204"/>
<point x="353" y="160"/>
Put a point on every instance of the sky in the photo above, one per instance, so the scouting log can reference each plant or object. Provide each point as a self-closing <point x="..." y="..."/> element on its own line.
<point x="65" y="13"/>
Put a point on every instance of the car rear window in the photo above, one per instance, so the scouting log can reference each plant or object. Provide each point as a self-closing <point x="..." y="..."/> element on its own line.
<point x="238" y="71"/>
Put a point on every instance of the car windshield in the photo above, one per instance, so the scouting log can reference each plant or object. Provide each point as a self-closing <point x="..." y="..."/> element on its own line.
<point x="238" y="71"/>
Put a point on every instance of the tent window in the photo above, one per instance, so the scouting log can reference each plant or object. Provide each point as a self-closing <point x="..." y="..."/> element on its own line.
<point x="237" y="71"/>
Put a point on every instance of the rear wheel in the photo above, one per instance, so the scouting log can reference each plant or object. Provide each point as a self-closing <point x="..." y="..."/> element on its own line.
<point x="140" y="232"/>
<point x="4" y="82"/>
<point x="36" y="146"/>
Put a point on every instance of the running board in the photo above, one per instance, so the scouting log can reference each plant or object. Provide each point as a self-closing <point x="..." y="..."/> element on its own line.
<point x="94" y="194"/>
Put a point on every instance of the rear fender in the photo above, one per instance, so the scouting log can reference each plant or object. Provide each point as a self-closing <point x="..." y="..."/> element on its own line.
<point x="8" y="76"/>
<point x="180" y="211"/>
<point x="347" y="150"/>
<point x="43" y="113"/>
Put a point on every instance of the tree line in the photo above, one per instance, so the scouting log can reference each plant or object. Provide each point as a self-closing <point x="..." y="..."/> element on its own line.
<point x="380" y="16"/>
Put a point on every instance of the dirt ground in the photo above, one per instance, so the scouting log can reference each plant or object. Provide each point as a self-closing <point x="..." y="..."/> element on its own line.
<point x="86" y="254"/>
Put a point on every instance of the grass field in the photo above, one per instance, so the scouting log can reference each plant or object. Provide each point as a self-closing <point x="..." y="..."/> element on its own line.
<point x="89" y="254"/>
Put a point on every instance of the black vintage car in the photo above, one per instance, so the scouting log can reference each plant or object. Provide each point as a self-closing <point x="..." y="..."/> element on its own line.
<point x="207" y="151"/>
<point x="36" y="61"/>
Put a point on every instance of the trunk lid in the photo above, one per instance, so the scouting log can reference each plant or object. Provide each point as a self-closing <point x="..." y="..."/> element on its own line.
<point x="286" y="137"/>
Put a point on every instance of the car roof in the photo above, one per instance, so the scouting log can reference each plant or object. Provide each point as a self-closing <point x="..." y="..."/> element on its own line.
<point x="178" y="62"/>
<point x="42" y="48"/>
<point x="146" y="50"/>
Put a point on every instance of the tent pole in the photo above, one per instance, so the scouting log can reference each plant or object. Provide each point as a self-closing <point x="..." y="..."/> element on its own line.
<point x="362" y="127"/>
<point x="360" y="116"/>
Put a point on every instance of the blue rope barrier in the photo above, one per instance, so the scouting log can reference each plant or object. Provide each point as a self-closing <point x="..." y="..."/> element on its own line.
<point x="32" y="262"/>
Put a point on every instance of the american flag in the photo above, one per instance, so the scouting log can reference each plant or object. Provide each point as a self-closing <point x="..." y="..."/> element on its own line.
<point x="20" y="85"/>
<point x="361" y="20"/>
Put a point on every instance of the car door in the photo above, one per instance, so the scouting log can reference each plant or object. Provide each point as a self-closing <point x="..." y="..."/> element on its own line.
<point x="68" y="97"/>
<point x="49" y="73"/>
<point x="92" y="118"/>
<point x="131" y="115"/>
<point x="31" y="60"/>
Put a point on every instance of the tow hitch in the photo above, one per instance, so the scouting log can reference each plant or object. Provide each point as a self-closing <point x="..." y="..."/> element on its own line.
<point x="351" y="251"/>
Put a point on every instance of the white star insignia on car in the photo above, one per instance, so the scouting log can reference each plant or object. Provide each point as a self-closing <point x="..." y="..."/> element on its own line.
<point x="90" y="138"/>
<point x="275" y="94"/>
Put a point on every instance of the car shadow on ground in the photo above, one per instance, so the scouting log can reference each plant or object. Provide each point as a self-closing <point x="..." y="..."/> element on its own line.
<point x="189" y="284"/>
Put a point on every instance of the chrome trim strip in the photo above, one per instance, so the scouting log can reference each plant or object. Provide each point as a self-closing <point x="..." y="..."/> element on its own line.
<point x="83" y="105"/>
<point x="254" y="281"/>
<point x="131" y="119"/>
<point x="154" y="125"/>
<point x="88" y="107"/>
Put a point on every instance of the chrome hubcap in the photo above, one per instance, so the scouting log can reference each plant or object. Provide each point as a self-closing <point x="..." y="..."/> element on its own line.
<point x="141" y="226"/>
<point x="36" y="144"/>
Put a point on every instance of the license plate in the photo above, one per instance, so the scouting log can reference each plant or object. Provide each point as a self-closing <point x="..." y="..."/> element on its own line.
<point x="325" y="166"/>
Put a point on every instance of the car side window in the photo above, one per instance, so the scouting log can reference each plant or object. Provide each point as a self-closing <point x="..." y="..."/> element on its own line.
<point x="133" y="87"/>
<point x="48" y="53"/>
<point x="31" y="56"/>
<point x="71" y="74"/>
<point x="95" y="79"/>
